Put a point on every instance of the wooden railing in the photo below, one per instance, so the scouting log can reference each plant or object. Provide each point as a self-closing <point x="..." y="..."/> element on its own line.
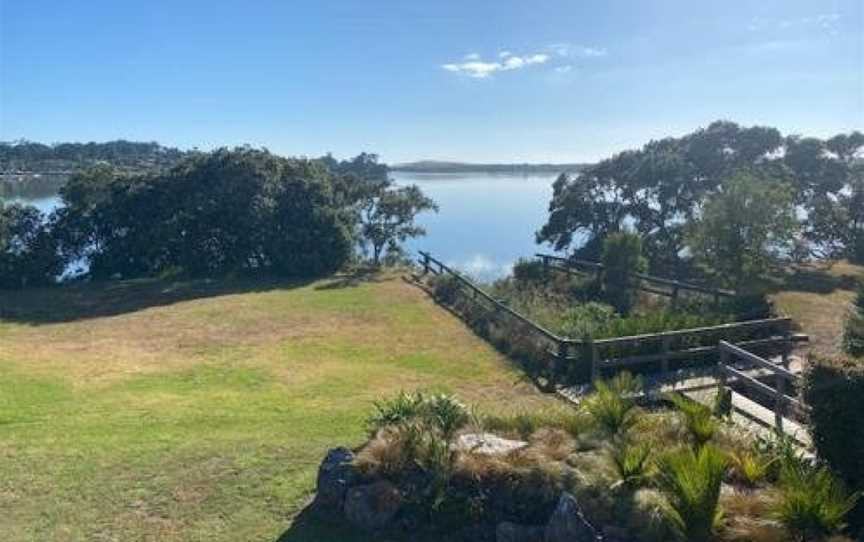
<point x="783" y="380"/>
<point x="648" y="283"/>
<point x="598" y="357"/>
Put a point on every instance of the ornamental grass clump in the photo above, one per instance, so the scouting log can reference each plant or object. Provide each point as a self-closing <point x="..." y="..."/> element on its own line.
<point x="691" y="480"/>
<point x="698" y="419"/>
<point x="813" y="503"/>
<point x="612" y="406"/>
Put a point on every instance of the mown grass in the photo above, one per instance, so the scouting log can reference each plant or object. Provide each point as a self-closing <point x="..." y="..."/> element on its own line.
<point x="818" y="297"/>
<point x="192" y="411"/>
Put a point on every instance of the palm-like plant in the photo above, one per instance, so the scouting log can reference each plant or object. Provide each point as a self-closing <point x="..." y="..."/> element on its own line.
<point x="751" y="467"/>
<point x="613" y="402"/>
<point x="813" y="503"/>
<point x="632" y="463"/>
<point x="698" y="419"/>
<point x="691" y="482"/>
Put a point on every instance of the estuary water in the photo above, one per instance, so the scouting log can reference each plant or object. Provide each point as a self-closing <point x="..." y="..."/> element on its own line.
<point x="485" y="223"/>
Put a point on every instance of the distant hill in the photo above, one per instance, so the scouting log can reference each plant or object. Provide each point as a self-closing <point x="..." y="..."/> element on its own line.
<point x="435" y="166"/>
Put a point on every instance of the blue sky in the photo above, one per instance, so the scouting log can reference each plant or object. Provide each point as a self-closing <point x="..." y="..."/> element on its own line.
<point x="478" y="81"/>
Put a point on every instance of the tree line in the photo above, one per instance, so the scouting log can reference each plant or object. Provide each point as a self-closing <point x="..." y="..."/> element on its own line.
<point x="725" y="201"/>
<point x="231" y="210"/>
<point x="33" y="157"/>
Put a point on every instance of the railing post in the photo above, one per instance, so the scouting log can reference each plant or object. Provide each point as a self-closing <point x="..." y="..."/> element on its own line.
<point x="595" y="362"/>
<point x="545" y="260"/>
<point x="667" y="340"/>
<point x="675" y="295"/>
<point x="425" y="263"/>
<point x="560" y="361"/>
<point x="779" y="402"/>
<point x="722" y="364"/>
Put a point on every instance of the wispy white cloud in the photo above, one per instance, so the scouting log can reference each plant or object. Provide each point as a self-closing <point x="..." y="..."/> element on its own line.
<point x="478" y="69"/>
<point x="471" y="56"/>
<point x="566" y="68"/>
<point x="825" y="22"/>
<point x="567" y="50"/>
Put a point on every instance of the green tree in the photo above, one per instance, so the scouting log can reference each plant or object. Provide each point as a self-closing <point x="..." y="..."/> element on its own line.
<point x="28" y="251"/>
<point x="229" y="210"/>
<point x="387" y="218"/>
<point x="622" y="256"/>
<point x="744" y="228"/>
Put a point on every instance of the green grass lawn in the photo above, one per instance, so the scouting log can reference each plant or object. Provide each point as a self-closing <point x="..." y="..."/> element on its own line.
<point x="199" y="411"/>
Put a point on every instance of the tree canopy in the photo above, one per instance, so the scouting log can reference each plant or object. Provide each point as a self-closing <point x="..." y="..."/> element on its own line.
<point x="659" y="189"/>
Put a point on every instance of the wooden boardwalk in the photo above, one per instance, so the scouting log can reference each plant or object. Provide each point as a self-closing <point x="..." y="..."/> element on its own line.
<point x="700" y="384"/>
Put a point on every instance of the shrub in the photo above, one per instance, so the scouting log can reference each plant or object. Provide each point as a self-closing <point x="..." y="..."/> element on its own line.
<point x="691" y="482"/>
<point x="622" y="255"/>
<point x="853" y="330"/>
<point x="528" y="271"/>
<point x="813" y="503"/>
<point x="446" y="288"/>
<point x="834" y="389"/>
<point x="586" y="321"/>
<point x="613" y="402"/>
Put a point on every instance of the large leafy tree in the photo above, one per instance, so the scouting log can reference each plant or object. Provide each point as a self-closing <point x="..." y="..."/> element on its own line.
<point x="744" y="228"/>
<point x="241" y="209"/>
<point x="28" y="251"/>
<point x="385" y="212"/>
<point x="658" y="189"/>
<point x="387" y="218"/>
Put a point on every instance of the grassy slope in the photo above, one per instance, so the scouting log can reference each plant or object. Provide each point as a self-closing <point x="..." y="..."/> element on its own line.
<point x="156" y="411"/>
<point x="818" y="298"/>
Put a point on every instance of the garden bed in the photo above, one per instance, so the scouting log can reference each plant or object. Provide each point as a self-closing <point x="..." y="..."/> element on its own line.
<point x="434" y="469"/>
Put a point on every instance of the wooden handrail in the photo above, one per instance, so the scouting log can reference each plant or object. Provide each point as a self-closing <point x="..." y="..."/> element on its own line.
<point x="768" y="322"/>
<point x="758" y="361"/>
<point x="643" y="276"/>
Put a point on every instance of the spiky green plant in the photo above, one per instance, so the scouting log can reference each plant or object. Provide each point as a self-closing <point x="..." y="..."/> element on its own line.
<point x="612" y="404"/>
<point x="813" y="502"/>
<point x="631" y="463"/>
<point x="751" y="467"/>
<point x="445" y="413"/>
<point x="402" y="407"/>
<point x="700" y="423"/>
<point x="691" y="482"/>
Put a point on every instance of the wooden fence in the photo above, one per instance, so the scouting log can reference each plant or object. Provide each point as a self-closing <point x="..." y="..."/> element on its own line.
<point x="648" y="283"/>
<point x="783" y="381"/>
<point x="596" y="358"/>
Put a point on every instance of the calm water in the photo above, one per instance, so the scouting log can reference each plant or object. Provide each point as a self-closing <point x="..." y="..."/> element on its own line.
<point x="486" y="222"/>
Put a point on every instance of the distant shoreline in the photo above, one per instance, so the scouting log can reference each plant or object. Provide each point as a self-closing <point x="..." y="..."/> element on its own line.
<point x="429" y="166"/>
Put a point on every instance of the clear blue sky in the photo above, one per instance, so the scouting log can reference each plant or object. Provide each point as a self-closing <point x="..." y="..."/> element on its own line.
<point x="468" y="80"/>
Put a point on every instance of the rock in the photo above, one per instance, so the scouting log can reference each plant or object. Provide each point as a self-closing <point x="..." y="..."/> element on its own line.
<point x="335" y="475"/>
<point x="568" y="523"/>
<point x="487" y="444"/>
<point x="372" y="506"/>
<point x="513" y="532"/>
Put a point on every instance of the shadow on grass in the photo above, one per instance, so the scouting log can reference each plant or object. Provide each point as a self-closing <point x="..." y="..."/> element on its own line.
<point x="312" y="525"/>
<point x="353" y="279"/>
<point x="82" y="301"/>
<point x="816" y="281"/>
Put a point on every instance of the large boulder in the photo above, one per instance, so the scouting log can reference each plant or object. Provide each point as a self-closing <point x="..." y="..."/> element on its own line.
<point x="568" y="523"/>
<point x="372" y="506"/>
<point x="335" y="475"/>
<point x="487" y="444"/>
<point x="513" y="532"/>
